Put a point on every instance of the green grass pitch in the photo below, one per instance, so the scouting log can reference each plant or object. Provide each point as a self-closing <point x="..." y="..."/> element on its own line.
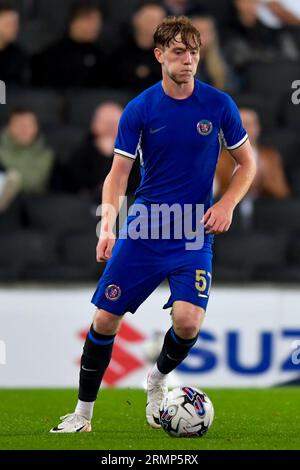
<point x="244" y="419"/>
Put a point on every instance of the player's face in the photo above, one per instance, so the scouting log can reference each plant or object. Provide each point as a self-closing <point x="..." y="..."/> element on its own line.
<point x="179" y="61"/>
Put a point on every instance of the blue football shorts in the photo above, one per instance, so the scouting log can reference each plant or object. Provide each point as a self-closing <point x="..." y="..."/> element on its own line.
<point x="137" y="267"/>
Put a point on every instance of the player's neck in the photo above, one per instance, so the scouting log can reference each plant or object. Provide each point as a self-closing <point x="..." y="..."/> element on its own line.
<point x="177" y="91"/>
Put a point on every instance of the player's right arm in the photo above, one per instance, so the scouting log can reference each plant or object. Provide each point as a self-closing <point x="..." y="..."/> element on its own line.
<point x="115" y="185"/>
<point x="113" y="192"/>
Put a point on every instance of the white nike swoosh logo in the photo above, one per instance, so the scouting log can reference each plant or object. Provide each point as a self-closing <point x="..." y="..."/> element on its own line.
<point x="153" y="131"/>
<point x="89" y="370"/>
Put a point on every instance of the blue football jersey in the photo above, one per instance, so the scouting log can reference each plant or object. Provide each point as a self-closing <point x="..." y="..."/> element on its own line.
<point x="178" y="142"/>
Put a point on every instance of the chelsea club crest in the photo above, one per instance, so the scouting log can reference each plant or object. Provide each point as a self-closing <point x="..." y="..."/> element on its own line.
<point x="113" y="292"/>
<point x="204" y="127"/>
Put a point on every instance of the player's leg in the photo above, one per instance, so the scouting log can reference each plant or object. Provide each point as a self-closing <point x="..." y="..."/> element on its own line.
<point x="131" y="275"/>
<point x="95" y="359"/>
<point x="190" y="282"/>
<point x="97" y="352"/>
<point x="181" y="337"/>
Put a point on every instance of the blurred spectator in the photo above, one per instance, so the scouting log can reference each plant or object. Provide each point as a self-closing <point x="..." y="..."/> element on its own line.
<point x="134" y="64"/>
<point x="14" y="66"/>
<point x="278" y="13"/>
<point x="77" y="60"/>
<point x="23" y="151"/>
<point x="186" y="7"/>
<point x="91" y="162"/>
<point x="177" y="7"/>
<point x="247" y="38"/>
<point x="270" y="179"/>
<point x="212" y="68"/>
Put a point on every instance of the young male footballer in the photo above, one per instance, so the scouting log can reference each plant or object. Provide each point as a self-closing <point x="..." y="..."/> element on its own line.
<point x="177" y="128"/>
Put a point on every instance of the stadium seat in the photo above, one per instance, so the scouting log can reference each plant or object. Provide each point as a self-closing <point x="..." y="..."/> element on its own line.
<point x="267" y="109"/>
<point x="219" y="9"/>
<point x="47" y="14"/>
<point x="231" y="275"/>
<point x="79" y="248"/>
<point x="21" y="249"/>
<point x="285" y="141"/>
<point x="45" y="103"/>
<point x="8" y="274"/>
<point x="295" y="34"/>
<point x="11" y="218"/>
<point x="81" y="105"/>
<point x="277" y="215"/>
<point x="80" y="251"/>
<point x="284" y="275"/>
<point x="252" y="250"/>
<point x="34" y="37"/>
<point x="19" y="5"/>
<point x="274" y="78"/>
<point x="291" y="114"/>
<point x="76" y="262"/>
<point x="294" y="251"/>
<point x="117" y="13"/>
<point x="295" y="182"/>
<point x="60" y="214"/>
<point x="60" y="272"/>
<point x="64" y="140"/>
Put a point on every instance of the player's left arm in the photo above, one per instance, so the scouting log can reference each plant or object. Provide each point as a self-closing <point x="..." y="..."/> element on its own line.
<point x="218" y="218"/>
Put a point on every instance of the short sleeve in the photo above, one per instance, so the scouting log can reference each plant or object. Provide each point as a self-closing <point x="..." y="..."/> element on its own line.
<point x="234" y="134"/>
<point x="129" y="132"/>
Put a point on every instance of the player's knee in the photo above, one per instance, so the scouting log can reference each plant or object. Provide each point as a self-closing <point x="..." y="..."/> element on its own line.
<point x="106" y="323"/>
<point x="187" y="331"/>
<point x="188" y="327"/>
<point x="188" y="321"/>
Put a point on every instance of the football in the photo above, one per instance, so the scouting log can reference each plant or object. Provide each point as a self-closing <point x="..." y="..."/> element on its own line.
<point x="186" y="412"/>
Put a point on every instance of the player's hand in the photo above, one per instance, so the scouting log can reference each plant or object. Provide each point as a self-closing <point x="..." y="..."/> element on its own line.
<point x="105" y="246"/>
<point x="218" y="218"/>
